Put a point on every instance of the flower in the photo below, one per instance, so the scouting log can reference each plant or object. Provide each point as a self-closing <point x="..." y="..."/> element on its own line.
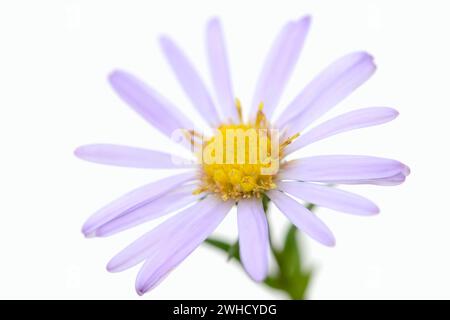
<point x="206" y="192"/>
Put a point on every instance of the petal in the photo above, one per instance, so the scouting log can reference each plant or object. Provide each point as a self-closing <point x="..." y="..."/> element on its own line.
<point x="330" y="87"/>
<point x="150" y="105"/>
<point x="124" y="156"/>
<point x="330" y="197"/>
<point x="190" y="81"/>
<point x="386" y="181"/>
<point x="167" y="203"/>
<point x="331" y="168"/>
<point x="253" y="238"/>
<point x="144" y="247"/>
<point x="348" y="121"/>
<point x="175" y="249"/>
<point x="219" y="69"/>
<point x="302" y="218"/>
<point x="134" y="200"/>
<point x="279" y="64"/>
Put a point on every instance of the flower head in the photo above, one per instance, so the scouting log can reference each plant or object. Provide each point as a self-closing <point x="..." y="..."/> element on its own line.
<point x="243" y="161"/>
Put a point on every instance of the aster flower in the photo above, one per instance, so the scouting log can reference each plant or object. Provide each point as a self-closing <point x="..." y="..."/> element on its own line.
<point x="205" y="192"/>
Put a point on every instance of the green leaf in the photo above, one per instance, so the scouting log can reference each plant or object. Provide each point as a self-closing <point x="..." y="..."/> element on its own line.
<point x="290" y="263"/>
<point x="293" y="277"/>
<point x="232" y="250"/>
<point x="273" y="282"/>
<point x="222" y="245"/>
<point x="299" y="285"/>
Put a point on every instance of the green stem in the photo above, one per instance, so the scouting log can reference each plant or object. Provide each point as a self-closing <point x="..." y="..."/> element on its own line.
<point x="290" y="275"/>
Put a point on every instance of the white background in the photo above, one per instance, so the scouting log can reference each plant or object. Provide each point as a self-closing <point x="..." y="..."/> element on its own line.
<point x="54" y="59"/>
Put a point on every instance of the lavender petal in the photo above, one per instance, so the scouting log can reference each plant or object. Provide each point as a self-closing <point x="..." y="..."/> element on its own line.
<point x="190" y="81"/>
<point x="220" y="71"/>
<point x="394" y="180"/>
<point x="146" y="245"/>
<point x="149" y="104"/>
<point x="134" y="200"/>
<point x="172" y="201"/>
<point x="125" y="156"/>
<point x="279" y="64"/>
<point x="253" y="238"/>
<point x="331" y="86"/>
<point x="330" y="197"/>
<point x="331" y="168"/>
<point x="348" y="121"/>
<point x="302" y="218"/>
<point x="175" y="249"/>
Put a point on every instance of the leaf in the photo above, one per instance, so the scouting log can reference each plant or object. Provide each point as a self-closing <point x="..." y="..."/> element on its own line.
<point x="222" y="245"/>
<point x="290" y="263"/>
<point x="232" y="250"/>
<point x="293" y="277"/>
<point x="273" y="282"/>
<point x="297" y="290"/>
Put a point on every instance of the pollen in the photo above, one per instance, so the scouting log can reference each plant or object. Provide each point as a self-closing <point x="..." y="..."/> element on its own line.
<point x="242" y="159"/>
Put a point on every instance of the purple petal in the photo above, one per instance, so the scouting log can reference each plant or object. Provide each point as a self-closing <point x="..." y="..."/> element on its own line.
<point x="161" y="239"/>
<point x="348" y="121"/>
<point x="331" y="168"/>
<point x="302" y="218"/>
<point x="330" y="87"/>
<point x="279" y="64"/>
<point x="150" y="105"/>
<point x="178" y="246"/>
<point x="253" y="238"/>
<point x="386" y="181"/>
<point x="125" y="156"/>
<point x="190" y="81"/>
<point x="170" y="202"/>
<point x="145" y="246"/>
<point x="134" y="200"/>
<point x="330" y="197"/>
<point x="220" y="72"/>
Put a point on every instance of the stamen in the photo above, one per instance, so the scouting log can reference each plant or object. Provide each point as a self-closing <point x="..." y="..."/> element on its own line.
<point x="239" y="109"/>
<point x="289" y="140"/>
<point x="191" y="135"/>
<point x="261" y="120"/>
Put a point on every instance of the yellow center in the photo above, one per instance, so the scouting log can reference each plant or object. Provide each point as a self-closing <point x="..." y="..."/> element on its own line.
<point x="241" y="160"/>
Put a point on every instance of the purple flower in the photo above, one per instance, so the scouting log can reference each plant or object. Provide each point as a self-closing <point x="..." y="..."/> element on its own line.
<point x="206" y="192"/>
